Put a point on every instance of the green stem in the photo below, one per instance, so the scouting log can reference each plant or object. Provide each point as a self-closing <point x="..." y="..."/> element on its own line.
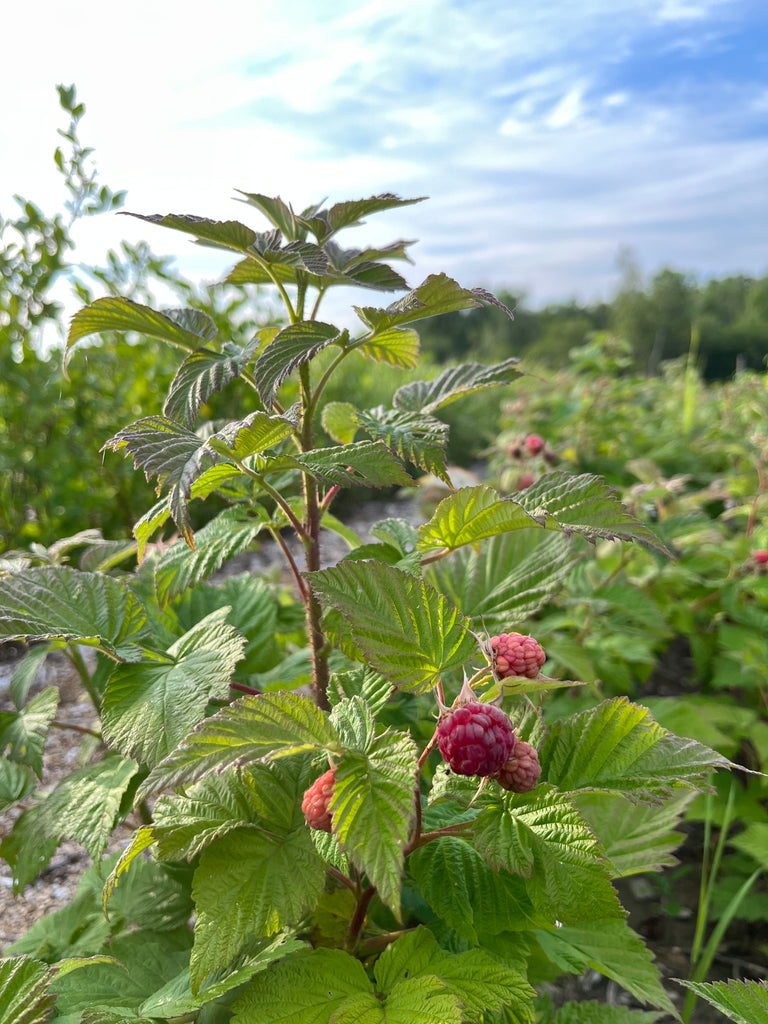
<point x="709" y="874"/>
<point x="77" y="660"/>
<point x="55" y="724"/>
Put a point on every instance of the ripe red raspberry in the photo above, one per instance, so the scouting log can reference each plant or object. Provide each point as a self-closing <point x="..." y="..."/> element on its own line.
<point x="517" y="655"/>
<point x="521" y="772"/>
<point x="534" y="444"/>
<point x="316" y="800"/>
<point x="760" y="556"/>
<point x="475" y="738"/>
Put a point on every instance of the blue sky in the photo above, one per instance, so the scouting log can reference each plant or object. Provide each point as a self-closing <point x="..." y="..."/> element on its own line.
<point x="547" y="135"/>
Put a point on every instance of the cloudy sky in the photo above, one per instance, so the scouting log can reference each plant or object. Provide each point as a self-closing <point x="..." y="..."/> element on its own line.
<point x="548" y="134"/>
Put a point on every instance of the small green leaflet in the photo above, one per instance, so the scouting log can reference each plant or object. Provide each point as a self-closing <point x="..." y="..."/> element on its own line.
<point x="542" y="837"/>
<point x="203" y="373"/>
<point x="250" y="883"/>
<point x="366" y="463"/>
<point x="415" y="437"/>
<point x="187" y="329"/>
<point x="221" y="234"/>
<point x="455" y="382"/>
<point x="24" y="991"/>
<point x="373" y="808"/>
<point x="58" y="602"/>
<point x="438" y="294"/>
<point x="397" y="346"/>
<point x="618" y="746"/>
<point x="150" y="707"/>
<point x="292" y="347"/>
<point x="281" y="215"/>
<point x="409" y="632"/>
<point x="745" y="1002"/>
<point x="17" y="782"/>
<point x="603" y="1013"/>
<point x="267" y="726"/>
<point x="23" y="733"/>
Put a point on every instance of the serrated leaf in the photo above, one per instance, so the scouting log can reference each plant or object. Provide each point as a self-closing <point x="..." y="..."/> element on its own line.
<point x="58" y="602"/>
<point x="294" y="346"/>
<point x="466" y="893"/>
<point x="24" y="991"/>
<point x="437" y="294"/>
<point x="636" y="838"/>
<point x="469" y="515"/>
<point x="201" y="375"/>
<point x="303" y="988"/>
<point x="418" y="1001"/>
<point x="745" y="1002"/>
<point x="229" y="534"/>
<point x="360" y="682"/>
<point x="249" y="271"/>
<point x="481" y="983"/>
<point x="363" y="463"/>
<point x="354" y="723"/>
<point x="17" y="781"/>
<point x="26" y="671"/>
<point x="409" y="632"/>
<point x="455" y="382"/>
<point x="396" y="346"/>
<point x="542" y="837"/>
<point x="150" y="707"/>
<point x="350" y="212"/>
<point x="250" y="883"/>
<point x="252" y="728"/>
<point x="416" y="438"/>
<point x="585" y="505"/>
<point x="339" y="421"/>
<point x="280" y="214"/>
<point x="221" y="234"/>
<point x="258" y="432"/>
<point x="113" y="313"/>
<point x="618" y="746"/>
<point x="23" y="733"/>
<point x="511" y="577"/>
<point x="613" y="949"/>
<point x="373" y="808"/>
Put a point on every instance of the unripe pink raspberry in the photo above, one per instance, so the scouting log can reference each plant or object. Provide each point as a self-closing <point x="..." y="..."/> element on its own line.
<point x="517" y="655"/>
<point x="316" y="801"/>
<point x="534" y="444"/>
<point x="521" y="772"/>
<point x="475" y="738"/>
<point x="760" y="556"/>
<point x="525" y="480"/>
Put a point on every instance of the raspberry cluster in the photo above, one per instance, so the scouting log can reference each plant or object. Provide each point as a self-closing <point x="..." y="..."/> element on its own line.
<point x="475" y="738"/>
<point x="522" y="771"/>
<point x="316" y="801"/>
<point x="516" y="655"/>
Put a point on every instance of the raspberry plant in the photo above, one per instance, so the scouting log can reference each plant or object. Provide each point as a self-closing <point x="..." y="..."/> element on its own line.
<point x="231" y="733"/>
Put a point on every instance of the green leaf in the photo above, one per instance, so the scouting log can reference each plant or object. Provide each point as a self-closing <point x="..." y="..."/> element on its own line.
<point x="360" y="682"/>
<point x="221" y="234"/>
<point x="256" y="433"/>
<point x="229" y="534"/>
<point x="373" y="809"/>
<point x="150" y="707"/>
<point x="267" y="726"/>
<point x="17" y="782"/>
<point x="25" y="673"/>
<point x="23" y="733"/>
<point x="397" y="346"/>
<point x="350" y="212"/>
<point x="511" y="577"/>
<point x="339" y="421"/>
<point x="466" y="893"/>
<point x="303" y="988"/>
<point x="437" y="294"/>
<point x="186" y="329"/>
<point x="416" y="438"/>
<point x="585" y="505"/>
<point x="409" y="632"/>
<point x="612" y="949"/>
<point x="58" y="602"/>
<point x="354" y="723"/>
<point x="202" y="374"/>
<point x="480" y="983"/>
<point x="281" y="215"/>
<point x="542" y="837"/>
<point x="469" y="515"/>
<point x="636" y="838"/>
<point x="24" y="991"/>
<point x="363" y="463"/>
<point x="418" y="1001"/>
<point x="453" y="383"/>
<point x="745" y="1002"/>
<point x="250" y="883"/>
<point x="293" y="347"/>
<point x="618" y="746"/>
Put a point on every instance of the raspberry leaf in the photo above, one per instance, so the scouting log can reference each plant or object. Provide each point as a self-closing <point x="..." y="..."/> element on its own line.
<point x="292" y="347"/>
<point x="542" y="836"/>
<point x="397" y="346"/>
<point x="373" y="809"/>
<point x="408" y="632"/>
<point x="745" y="1002"/>
<point x="416" y="438"/>
<point x="268" y="726"/>
<point x="250" y="883"/>
<point x="618" y="746"/>
<point x="302" y="988"/>
<point x="354" y="723"/>
<point x="23" y="733"/>
<point x="203" y="373"/>
<point x="428" y="396"/>
<point x="613" y="949"/>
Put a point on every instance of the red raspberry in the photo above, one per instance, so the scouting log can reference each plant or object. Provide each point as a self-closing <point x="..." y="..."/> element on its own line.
<point x="521" y="772"/>
<point x="760" y="556"/>
<point x="475" y="738"/>
<point x="534" y="444"/>
<point x="517" y="655"/>
<point x="316" y="800"/>
<point x="525" y="480"/>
